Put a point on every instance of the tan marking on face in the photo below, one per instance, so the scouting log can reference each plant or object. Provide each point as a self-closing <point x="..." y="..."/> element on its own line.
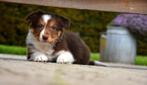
<point x="54" y="37"/>
<point x="59" y="33"/>
<point x="52" y="32"/>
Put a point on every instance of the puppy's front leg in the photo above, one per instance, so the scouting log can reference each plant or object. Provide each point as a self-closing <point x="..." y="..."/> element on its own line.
<point x="65" y="57"/>
<point x="38" y="57"/>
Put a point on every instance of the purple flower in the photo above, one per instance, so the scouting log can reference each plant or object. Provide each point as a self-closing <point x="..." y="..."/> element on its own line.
<point x="135" y="23"/>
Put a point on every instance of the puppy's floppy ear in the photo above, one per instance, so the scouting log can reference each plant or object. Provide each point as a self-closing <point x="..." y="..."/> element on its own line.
<point x="65" y="22"/>
<point x="33" y="16"/>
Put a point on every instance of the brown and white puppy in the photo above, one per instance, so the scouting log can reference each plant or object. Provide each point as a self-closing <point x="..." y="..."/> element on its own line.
<point x="48" y="40"/>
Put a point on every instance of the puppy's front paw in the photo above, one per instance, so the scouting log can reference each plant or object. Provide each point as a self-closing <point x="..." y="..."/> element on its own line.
<point x="39" y="57"/>
<point x="65" y="58"/>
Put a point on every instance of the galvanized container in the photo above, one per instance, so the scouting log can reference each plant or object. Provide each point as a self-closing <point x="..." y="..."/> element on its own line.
<point x="118" y="45"/>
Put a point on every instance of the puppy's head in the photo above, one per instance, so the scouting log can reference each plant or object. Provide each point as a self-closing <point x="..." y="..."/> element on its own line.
<point x="47" y="27"/>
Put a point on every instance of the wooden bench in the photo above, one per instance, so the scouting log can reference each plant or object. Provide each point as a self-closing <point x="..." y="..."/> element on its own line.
<point x="131" y="6"/>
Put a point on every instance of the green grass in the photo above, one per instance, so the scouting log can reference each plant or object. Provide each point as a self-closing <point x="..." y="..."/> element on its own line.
<point x="12" y="50"/>
<point x="140" y="60"/>
<point x="95" y="56"/>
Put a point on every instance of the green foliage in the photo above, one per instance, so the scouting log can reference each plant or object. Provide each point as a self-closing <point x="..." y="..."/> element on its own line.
<point x="89" y="24"/>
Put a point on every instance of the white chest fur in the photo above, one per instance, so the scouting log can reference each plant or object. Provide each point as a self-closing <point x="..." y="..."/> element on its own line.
<point x="38" y="46"/>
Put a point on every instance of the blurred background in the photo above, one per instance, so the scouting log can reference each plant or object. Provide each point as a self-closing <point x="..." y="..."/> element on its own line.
<point x="89" y="24"/>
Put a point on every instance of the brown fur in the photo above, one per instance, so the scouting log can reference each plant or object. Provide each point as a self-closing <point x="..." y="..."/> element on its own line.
<point x="76" y="46"/>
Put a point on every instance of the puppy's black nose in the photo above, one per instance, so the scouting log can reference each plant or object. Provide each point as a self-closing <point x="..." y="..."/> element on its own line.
<point x="44" y="38"/>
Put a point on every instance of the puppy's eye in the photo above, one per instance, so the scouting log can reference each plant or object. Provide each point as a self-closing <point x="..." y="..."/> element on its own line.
<point x="39" y="27"/>
<point x="55" y="28"/>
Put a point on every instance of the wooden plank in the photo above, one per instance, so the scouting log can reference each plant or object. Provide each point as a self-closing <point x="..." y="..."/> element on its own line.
<point x="132" y="6"/>
<point x="10" y="57"/>
<point x="34" y="73"/>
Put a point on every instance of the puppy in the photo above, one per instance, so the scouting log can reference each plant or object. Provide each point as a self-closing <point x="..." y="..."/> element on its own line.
<point x="48" y="40"/>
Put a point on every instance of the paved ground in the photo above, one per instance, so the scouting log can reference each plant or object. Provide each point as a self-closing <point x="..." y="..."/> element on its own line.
<point x="17" y="71"/>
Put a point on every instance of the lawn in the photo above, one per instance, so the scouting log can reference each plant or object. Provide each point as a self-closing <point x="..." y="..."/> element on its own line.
<point x="140" y="60"/>
<point x="12" y="50"/>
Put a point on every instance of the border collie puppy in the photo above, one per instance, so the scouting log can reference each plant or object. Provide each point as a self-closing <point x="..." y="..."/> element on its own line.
<point x="48" y="40"/>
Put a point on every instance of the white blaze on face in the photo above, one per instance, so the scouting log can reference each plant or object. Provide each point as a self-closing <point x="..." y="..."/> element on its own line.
<point x="41" y="34"/>
<point x="45" y="18"/>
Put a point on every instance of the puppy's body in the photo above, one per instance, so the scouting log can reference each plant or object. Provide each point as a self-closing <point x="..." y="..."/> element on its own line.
<point x="70" y="44"/>
<point x="47" y="40"/>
